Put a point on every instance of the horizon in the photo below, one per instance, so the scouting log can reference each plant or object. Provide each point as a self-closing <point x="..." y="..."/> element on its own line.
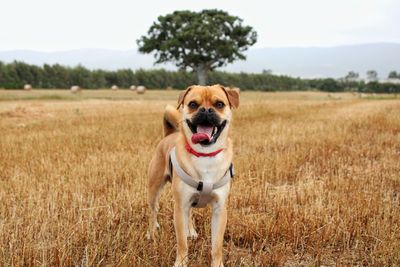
<point x="304" y="62"/>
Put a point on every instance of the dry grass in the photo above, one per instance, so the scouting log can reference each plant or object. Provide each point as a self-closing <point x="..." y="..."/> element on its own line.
<point x="84" y="94"/>
<point x="318" y="181"/>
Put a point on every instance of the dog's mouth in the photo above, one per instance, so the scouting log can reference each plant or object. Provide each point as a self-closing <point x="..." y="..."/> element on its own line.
<point x="205" y="134"/>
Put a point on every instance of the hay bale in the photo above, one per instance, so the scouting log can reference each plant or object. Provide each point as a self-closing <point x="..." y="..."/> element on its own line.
<point x="140" y="89"/>
<point x="75" y="89"/>
<point x="132" y="88"/>
<point x="169" y="88"/>
<point x="114" y="87"/>
<point x="27" y="87"/>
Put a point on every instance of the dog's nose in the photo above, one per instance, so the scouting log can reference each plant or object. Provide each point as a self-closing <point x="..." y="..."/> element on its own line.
<point x="206" y="111"/>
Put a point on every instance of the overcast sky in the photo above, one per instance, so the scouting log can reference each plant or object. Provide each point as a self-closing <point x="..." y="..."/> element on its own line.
<point x="54" y="25"/>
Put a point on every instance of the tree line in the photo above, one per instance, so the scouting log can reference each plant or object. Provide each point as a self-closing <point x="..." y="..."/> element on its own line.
<point x="16" y="74"/>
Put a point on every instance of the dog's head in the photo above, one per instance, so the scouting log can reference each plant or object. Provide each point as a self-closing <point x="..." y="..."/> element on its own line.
<point x="207" y="112"/>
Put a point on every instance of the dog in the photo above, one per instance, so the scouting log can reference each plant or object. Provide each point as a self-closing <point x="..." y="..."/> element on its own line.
<point x="196" y="156"/>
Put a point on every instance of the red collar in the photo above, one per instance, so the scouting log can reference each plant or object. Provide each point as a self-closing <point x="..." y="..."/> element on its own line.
<point x="199" y="154"/>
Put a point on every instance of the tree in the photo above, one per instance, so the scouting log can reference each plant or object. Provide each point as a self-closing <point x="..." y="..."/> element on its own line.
<point x="351" y="76"/>
<point x="267" y="72"/>
<point x="372" y="75"/>
<point x="201" y="41"/>
<point x="98" y="79"/>
<point x="329" y="85"/>
<point x="80" y="76"/>
<point x="2" y="73"/>
<point x="60" y="78"/>
<point x="11" y="80"/>
<point x="393" y="75"/>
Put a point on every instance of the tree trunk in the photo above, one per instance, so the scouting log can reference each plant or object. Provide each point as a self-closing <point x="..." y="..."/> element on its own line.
<point x="202" y="72"/>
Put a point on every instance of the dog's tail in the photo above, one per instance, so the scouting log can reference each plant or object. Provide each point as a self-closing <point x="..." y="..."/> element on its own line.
<point x="171" y="120"/>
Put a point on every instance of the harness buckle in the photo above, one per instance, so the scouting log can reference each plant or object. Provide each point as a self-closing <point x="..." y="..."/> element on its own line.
<point x="200" y="186"/>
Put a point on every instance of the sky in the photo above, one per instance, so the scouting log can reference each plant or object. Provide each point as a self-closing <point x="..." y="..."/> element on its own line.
<point x="57" y="25"/>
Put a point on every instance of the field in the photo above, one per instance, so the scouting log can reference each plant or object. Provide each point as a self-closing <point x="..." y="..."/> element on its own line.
<point x="318" y="181"/>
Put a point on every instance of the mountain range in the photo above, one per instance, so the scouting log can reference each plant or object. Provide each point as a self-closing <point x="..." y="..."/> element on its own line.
<point x="305" y="62"/>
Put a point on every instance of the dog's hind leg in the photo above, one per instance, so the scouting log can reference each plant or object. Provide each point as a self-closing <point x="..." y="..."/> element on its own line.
<point x="155" y="184"/>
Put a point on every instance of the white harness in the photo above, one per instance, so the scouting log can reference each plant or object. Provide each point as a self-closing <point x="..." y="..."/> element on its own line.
<point x="205" y="189"/>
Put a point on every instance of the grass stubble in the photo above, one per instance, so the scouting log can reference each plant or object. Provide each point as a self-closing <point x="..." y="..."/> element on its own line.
<point x="317" y="182"/>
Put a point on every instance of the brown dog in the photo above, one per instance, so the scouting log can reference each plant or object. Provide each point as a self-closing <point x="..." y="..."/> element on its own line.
<point x="196" y="155"/>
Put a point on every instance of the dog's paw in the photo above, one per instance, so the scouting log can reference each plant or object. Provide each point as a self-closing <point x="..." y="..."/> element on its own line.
<point x="148" y="236"/>
<point x="180" y="263"/>
<point x="151" y="235"/>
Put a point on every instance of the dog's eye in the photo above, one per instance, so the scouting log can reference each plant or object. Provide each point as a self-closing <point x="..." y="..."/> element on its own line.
<point x="193" y="105"/>
<point x="219" y="104"/>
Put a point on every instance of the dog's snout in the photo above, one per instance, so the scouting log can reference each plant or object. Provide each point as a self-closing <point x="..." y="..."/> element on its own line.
<point x="206" y="111"/>
<point x="206" y="116"/>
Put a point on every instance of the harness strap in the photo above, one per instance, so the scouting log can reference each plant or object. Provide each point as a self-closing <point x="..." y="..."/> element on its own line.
<point x="205" y="189"/>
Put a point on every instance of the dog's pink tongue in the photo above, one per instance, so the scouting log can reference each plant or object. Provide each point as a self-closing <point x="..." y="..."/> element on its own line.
<point x="203" y="133"/>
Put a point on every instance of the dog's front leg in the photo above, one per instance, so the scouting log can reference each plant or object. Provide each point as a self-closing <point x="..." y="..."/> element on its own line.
<point x="181" y="217"/>
<point x="218" y="224"/>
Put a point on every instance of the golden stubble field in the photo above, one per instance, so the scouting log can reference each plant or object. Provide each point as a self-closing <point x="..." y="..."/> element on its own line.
<point x="318" y="181"/>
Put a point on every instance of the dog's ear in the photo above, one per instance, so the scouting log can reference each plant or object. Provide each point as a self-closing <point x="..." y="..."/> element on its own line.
<point x="182" y="97"/>
<point x="233" y="96"/>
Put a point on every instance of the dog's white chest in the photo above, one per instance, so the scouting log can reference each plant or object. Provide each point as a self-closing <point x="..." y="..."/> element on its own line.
<point x="208" y="167"/>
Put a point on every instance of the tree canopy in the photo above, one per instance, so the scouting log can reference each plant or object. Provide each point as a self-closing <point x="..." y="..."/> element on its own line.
<point x="372" y="75"/>
<point x="394" y="75"/>
<point x="201" y="41"/>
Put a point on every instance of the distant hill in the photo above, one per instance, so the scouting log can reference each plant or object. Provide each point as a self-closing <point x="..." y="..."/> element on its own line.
<point x="307" y="62"/>
<point x="312" y="62"/>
